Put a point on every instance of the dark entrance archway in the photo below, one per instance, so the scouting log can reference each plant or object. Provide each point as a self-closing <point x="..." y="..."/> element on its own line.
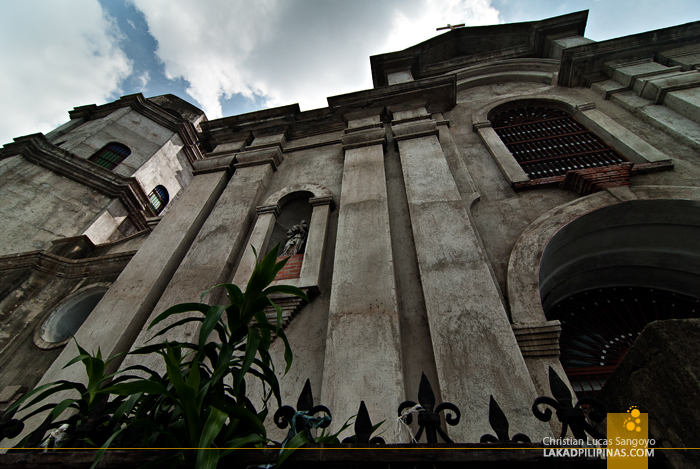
<point x="607" y="274"/>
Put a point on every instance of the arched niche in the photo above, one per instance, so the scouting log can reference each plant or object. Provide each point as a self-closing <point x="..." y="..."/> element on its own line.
<point x="294" y="208"/>
<point x="295" y="201"/>
<point x="66" y="319"/>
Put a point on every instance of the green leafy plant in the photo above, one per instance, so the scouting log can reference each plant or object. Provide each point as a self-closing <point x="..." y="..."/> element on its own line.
<point x="199" y="407"/>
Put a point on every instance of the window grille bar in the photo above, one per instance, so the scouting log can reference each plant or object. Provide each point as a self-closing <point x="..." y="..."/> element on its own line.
<point x="548" y="143"/>
<point x="110" y="155"/>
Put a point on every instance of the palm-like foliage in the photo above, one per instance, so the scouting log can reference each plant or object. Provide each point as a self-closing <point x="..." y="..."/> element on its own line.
<point x="200" y="403"/>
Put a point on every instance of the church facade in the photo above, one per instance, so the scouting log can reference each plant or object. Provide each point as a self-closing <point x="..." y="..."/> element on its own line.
<point x="505" y="199"/>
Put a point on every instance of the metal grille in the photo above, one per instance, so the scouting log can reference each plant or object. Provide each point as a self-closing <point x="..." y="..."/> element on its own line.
<point x="110" y="155"/>
<point x="158" y="198"/>
<point x="547" y="142"/>
<point x="599" y="326"/>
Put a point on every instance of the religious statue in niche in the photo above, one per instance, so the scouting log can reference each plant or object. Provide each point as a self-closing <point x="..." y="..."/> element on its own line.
<point x="296" y="238"/>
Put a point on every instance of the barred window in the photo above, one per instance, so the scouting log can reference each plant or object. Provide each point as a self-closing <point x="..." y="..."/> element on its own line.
<point x="547" y="143"/>
<point x="158" y="198"/>
<point x="110" y="155"/>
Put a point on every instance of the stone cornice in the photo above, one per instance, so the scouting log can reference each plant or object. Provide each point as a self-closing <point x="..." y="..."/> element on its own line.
<point x="150" y="110"/>
<point x="437" y="94"/>
<point x="588" y="61"/>
<point x="42" y="261"/>
<point x="38" y="150"/>
<point x="273" y="209"/>
<point x="461" y="47"/>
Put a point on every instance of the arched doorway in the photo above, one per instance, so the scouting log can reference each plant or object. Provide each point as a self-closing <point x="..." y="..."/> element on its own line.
<point x="610" y="272"/>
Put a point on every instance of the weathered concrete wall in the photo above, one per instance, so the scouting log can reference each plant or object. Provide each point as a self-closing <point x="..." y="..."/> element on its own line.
<point x="502" y="214"/>
<point x="143" y="137"/>
<point x="35" y="285"/>
<point x="38" y="206"/>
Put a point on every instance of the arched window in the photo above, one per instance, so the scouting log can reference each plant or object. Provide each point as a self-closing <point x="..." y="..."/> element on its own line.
<point x="65" y="321"/>
<point x="547" y="143"/>
<point x="110" y="155"/>
<point x="158" y="198"/>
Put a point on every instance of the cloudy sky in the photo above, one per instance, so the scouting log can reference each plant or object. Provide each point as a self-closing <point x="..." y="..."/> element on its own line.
<point x="229" y="57"/>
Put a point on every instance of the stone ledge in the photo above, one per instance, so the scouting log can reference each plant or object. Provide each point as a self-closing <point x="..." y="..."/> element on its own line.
<point x="417" y="129"/>
<point x="214" y="163"/>
<point x="364" y="139"/>
<point x="67" y="268"/>
<point x="538" y="341"/>
<point x="270" y="155"/>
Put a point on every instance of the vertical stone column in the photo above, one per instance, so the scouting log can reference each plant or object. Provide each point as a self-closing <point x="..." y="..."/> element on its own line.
<point x="120" y="316"/>
<point x="212" y="257"/>
<point x="316" y="242"/>
<point x="476" y="352"/>
<point x="267" y="216"/>
<point x="363" y="352"/>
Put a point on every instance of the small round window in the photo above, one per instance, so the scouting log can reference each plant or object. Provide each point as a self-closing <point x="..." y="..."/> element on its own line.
<point x="65" y="321"/>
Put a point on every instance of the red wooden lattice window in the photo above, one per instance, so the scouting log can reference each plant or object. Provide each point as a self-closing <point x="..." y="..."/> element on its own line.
<point x="547" y="143"/>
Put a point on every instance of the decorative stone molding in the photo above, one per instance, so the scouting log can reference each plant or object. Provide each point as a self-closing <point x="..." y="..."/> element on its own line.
<point x="273" y="209"/>
<point x="365" y="119"/>
<point x="585" y="106"/>
<point x="214" y="164"/>
<point x="417" y="129"/>
<point x="588" y="181"/>
<point x="409" y="115"/>
<point x="440" y="93"/>
<point x="62" y="267"/>
<point x="364" y="138"/>
<point x="272" y="156"/>
<point x="230" y="148"/>
<point x="588" y="60"/>
<point x="281" y="195"/>
<point x="38" y="150"/>
<point x="153" y="222"/>
<point x="688" y="58"/>
<point x="268" y="141"/>
<point x="538" y="341"/>
<point x="328" y="200"/>
<point x="656" y="90"/>
<point x="150" y="110"/>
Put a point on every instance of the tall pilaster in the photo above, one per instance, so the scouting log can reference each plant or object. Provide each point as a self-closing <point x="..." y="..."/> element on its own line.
<point x="212" y="257"/>
<point x="267" y="216"/>
<point x="119" y="317"/>
<point x="363" y="347"/>
<point x="476" y="352"/>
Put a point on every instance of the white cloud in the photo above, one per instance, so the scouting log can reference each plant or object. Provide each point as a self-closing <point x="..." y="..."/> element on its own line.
<point x="144" y="78"/>
<point x="412" y="27"/>
<point x="55" y="55"/>
<point x="290" y="51"/>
